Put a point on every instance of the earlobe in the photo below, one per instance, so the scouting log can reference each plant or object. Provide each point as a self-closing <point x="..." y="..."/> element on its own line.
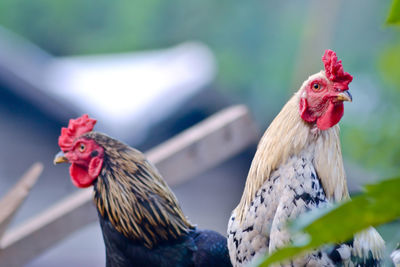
<point x="95" y="166"/>
<point x="304" y="113"/>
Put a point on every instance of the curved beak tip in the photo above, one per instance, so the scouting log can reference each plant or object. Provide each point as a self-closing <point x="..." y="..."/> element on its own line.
<point x="345" y="96"/>
<point x="60" y="158"/>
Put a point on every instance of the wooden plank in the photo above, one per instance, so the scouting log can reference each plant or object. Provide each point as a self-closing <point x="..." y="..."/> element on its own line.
<point x="39" y="233"/>
<point x="205" y="145"/>
<point x="15" y="197"/>
<point x="195" y="150"/>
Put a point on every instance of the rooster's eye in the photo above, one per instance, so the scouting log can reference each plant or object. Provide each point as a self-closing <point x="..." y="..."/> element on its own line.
<point x="82" y="148"/>
<point x="316" y="86"/>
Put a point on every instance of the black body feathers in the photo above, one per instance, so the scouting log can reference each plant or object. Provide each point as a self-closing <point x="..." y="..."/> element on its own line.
<point x="197" y="248"/>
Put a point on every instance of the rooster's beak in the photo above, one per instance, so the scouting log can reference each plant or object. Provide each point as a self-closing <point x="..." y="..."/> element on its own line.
<point x="60" y="158"/>
<point x="344" y="96"/>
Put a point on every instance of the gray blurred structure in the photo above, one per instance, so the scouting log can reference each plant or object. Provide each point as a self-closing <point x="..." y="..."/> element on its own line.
<point x="128" y="92"/>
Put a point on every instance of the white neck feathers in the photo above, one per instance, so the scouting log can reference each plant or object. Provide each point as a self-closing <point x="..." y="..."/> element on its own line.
<point x="288" y="135"/>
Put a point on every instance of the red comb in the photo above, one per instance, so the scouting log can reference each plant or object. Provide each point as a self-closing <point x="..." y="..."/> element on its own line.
<point x="334" y="70"/>
<point x="76" y="128"/>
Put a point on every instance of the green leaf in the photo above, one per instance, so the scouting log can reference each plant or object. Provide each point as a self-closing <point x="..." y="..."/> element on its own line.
<point x="338" y="223"/>
<point x="394" y="14"/>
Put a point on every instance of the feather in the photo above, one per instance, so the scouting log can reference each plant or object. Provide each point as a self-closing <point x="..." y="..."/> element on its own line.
<point x="366" y="242"/>
<point x="395" y="255"/>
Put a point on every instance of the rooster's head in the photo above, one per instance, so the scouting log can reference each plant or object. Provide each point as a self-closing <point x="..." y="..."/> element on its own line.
<point x="84" y="154"/>
<point x="322" y="95"/>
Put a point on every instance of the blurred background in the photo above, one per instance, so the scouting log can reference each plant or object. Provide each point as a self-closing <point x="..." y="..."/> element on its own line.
<point x="149" y="69"/>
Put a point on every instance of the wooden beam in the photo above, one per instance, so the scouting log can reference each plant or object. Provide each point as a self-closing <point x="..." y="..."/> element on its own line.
<point x="205" y="145"/>
<point x="39" y="233"/>
<point x="15" y="197"/>
<point x="195" y="150"/>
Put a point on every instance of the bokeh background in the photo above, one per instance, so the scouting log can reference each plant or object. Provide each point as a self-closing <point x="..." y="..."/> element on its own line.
<point x="181" y="61"/>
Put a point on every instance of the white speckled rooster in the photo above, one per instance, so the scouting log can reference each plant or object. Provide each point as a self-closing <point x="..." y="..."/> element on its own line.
<point x="298" y="166"/>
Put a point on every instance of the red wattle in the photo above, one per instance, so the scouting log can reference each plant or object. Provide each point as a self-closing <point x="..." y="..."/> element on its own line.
<point x="331" y="117"/>
<point x="79" y="176"/>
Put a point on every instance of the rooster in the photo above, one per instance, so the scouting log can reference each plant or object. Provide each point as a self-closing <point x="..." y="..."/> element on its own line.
<point x="141" y="220"/>
<point x="298" y="166"/>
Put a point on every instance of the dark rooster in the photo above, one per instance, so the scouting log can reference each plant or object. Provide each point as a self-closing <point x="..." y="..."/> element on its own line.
<point x="140" y="217"/>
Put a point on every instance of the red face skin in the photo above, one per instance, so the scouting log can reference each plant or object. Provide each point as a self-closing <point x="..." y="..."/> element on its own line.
<point x="86" y="158"/>
<point x="321" y="103"/>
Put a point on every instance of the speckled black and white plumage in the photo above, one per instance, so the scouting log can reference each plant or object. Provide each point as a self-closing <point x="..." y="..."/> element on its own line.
<point x="292" y="189"/>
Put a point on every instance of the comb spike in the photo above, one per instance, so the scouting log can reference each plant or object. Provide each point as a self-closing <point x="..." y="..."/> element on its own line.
<point x="334" y="70"/>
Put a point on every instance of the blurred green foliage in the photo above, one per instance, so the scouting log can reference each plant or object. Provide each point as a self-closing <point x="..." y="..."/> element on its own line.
<point x="256" y="45"/>
<point x="375" y="141"/>
<point x="334" y="225"/>
<point x="389" y="65"/>
<point x="394" y="15"/>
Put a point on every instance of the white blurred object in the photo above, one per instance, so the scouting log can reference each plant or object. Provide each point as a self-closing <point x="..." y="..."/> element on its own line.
<point x="396" y="257"/>
<point x="127" y="93"/>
